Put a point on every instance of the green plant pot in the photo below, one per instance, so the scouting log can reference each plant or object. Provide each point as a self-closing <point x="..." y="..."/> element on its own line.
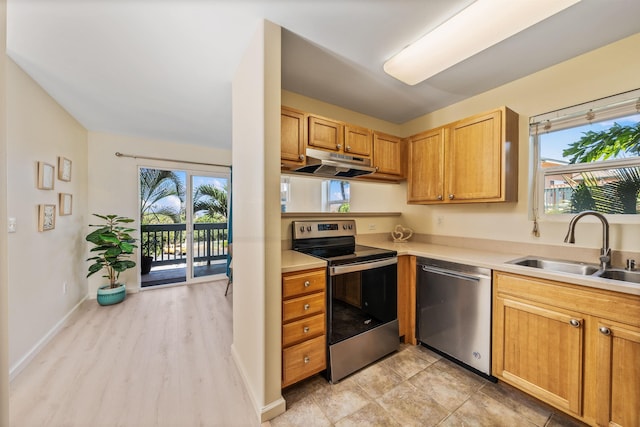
<point x="109" y="296"/>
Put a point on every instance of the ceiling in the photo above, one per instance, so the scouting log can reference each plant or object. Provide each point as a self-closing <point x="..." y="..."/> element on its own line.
<point x="162" y="69"/>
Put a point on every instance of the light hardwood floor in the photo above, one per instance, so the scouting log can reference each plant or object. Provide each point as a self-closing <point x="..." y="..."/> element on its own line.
<point x="160" y="358"/>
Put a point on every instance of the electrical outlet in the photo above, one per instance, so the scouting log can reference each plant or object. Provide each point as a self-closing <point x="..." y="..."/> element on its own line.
<point x="12" y="225"/>
<point x="372" y="227"/>
<point x="440" y="219"/>
<point x="64" y="288"/>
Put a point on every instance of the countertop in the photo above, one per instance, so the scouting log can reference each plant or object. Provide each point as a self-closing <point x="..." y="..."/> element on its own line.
<point x="294" y="261"/>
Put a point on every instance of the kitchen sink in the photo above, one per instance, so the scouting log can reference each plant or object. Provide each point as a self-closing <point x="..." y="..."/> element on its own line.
<point x="561" y="266"/>
<point x="619" y="274"/>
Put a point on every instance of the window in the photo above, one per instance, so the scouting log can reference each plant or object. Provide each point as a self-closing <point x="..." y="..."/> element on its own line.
<point x="587" y="157"/>
<point x="336" y="195"/>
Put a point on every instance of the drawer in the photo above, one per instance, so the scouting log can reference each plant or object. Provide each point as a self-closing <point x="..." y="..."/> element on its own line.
<point x="304" y="282"/>
<point x="303" y="360"/>
<point x="307" y="305"/>
<point x="304" y="329"/>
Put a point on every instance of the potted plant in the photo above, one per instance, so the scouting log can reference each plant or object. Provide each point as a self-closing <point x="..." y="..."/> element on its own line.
<point x="113" y="246"/>
<point x="148" y="247"/>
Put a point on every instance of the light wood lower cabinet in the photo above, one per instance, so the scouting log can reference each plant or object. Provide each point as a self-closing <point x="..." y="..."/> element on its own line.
<point x="574" y="347"/>
<point x="303" y="325"/>
<point x="618" y="374"/>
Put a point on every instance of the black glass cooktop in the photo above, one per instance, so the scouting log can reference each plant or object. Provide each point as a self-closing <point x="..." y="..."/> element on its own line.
<point x="348" y="254"/>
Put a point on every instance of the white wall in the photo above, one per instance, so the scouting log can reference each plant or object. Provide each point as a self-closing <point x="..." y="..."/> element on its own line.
<point x="4" y="281"/>
<point x="606" y="71"/>
<point x="256" y="221"/>
<point x="113" y="181"/>
<point x="38" y="129"/>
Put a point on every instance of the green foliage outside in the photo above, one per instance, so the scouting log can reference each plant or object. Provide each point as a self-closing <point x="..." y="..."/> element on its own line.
<point x="619" y="195"/>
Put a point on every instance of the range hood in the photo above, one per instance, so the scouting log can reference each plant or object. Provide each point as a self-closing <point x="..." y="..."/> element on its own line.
<point x="326" y="163"/>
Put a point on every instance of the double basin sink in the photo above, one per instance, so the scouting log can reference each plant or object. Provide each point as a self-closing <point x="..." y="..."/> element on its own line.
<point x="580" y="268"/>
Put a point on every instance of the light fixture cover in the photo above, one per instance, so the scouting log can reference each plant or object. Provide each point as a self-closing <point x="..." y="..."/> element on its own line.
<point x="482" y="24"/>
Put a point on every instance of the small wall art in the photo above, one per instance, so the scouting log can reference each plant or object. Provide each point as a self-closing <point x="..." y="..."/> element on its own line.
<point x="46" y="217"/>
<point x="65" y="203"/>
<point x="64" y="169"/>
<point x="45" y="176"/>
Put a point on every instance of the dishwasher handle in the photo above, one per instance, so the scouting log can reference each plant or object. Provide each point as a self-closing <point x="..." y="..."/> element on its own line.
<point x="452" y="273"/>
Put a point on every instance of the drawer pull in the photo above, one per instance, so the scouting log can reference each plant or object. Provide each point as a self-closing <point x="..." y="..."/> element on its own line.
<point x="306" y="359"/>
<point x="575" y="323"/>
<point x="307" y="307"/>
<point x="307" y="284"/>
<point x="305" y="329"/>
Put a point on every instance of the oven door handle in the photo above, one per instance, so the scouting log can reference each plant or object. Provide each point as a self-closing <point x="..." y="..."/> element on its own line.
<point x="361" y="266"/>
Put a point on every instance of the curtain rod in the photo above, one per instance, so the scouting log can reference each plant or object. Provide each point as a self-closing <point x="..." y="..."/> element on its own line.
<point x="118" y="154"/>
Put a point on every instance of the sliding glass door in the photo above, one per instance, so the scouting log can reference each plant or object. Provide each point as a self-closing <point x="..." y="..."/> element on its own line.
<point x="183" y="224"/>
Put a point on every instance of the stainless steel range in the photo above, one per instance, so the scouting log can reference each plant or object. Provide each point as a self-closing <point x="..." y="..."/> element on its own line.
<point x="362" y="321"/>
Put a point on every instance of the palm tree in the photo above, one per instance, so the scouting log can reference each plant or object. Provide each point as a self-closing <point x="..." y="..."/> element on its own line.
<point x="213" y="200"/>
<point x="157" y="185"/>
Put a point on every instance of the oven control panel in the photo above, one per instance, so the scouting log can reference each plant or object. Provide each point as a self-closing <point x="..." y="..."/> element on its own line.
<point x="315" y="229"/>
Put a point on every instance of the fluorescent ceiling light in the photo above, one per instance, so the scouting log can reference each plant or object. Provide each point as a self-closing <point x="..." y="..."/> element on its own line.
<point x="482" y="24"/>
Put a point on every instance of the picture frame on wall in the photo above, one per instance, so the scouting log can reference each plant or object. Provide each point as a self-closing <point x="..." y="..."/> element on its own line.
<point x="64" y="169"/>
<point x="45" y="176"/>
<point x="66" y="203"/>
<point x="46" y="217"/>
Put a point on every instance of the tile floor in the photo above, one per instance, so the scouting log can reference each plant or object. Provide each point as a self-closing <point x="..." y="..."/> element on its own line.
<point x="414" y="387"/>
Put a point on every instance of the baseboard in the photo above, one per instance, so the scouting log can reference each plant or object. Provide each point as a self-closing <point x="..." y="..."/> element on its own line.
<point x="31" y="354"/>
<point x="264" y="413"/>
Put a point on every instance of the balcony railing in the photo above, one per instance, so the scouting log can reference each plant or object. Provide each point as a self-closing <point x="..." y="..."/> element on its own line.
<point x="167" y="243"/>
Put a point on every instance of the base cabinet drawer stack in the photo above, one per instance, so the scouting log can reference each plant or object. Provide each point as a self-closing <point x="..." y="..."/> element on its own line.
<point x="303" y="325"/>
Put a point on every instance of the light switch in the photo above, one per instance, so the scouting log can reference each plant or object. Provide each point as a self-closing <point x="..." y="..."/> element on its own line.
<point x="12" y="225"/>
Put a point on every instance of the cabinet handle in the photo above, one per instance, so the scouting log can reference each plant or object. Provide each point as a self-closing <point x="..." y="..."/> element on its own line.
<point x="301" y="157"/>
<point x="307" y="307"/>
<point x="439" y="196"/>
<point x="306" y="283"/>
<point x="348" y="148"/>
<point x="575" y="323"/>
<point x="305" y="329"/>
<point x="377" y="168"/>
<point x="306" y="359"/>
<point x="604" y="330"/>
<point x="338" y="146"/>
<point x="451" y="196"/>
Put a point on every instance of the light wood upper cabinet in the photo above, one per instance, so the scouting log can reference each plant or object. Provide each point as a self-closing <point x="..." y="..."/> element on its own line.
<point x="574" y="347"/>
<point x="476" y="160"/>
<point x="388" y="154"/>
<point x="293" y="139"/>
<point x="326" y="134"/>
<point x="426" y="166"/>
<point x="357" y="141"/>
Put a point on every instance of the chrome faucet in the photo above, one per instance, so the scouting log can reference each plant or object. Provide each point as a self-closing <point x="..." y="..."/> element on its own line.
<point x="605" y="252"/>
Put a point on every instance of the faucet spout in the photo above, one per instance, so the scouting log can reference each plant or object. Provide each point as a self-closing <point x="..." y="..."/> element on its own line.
<point x="605" y="251"/>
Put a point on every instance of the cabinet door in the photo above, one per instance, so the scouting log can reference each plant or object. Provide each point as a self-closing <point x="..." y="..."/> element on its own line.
<point x="357" y="141"/>
<point x="474" y="158"/>
<point x="539" y="350"/>
<point x="426" y="162"/>
<point x="387" y="154"/>
<point x="618" y="374"/>
<point x="293" y="136"/>
<point x="325" y="134"/>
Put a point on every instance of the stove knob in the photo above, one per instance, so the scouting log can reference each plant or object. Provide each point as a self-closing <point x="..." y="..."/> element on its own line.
<point x="350" y="226"/>
<point x="302" y="228"/>
<point x="308" y="228"/>
<point x="344" y="226"/>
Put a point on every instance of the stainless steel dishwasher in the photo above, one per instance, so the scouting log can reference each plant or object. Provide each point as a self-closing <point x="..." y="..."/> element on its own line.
<point x="454" y="311"/>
